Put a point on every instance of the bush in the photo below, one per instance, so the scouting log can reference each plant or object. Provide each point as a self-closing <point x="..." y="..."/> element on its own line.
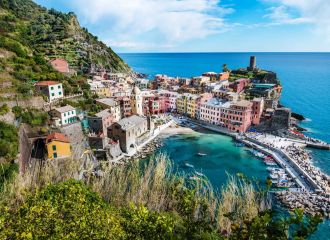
<point x="67" y="210"/>
<point x="8" y="140"/>
<point x="4" y="109"/>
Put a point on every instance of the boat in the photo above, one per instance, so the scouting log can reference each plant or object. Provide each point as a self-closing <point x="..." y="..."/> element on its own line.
<point x="269" y="163"/>
<point x="187" y="165"/>
<point x="239" y="144"/>
<point x="200" y="174"/>
<point x="201" y="154"/>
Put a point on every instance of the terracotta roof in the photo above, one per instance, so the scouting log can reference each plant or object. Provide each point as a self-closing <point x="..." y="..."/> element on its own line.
<point x="46" y="83"/>
<point x="58" y="137"/>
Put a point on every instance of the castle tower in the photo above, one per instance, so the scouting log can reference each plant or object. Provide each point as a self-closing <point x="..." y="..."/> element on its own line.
<point x="253" y="63"/>
<point x="136" y="101"/>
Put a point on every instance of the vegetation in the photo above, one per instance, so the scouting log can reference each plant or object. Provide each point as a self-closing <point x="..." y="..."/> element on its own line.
<point x="32" y="35"/>
<point x="4" y="109"/>
<point x="137" y="202"/>
<point x="31" y="116"/>
<point x="8" y="141"/>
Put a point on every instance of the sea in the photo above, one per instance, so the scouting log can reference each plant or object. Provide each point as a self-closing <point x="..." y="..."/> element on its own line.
<point x="306" y="90"/>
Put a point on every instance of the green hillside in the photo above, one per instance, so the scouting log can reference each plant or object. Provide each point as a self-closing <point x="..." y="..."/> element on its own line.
<point x="31" y="35"/>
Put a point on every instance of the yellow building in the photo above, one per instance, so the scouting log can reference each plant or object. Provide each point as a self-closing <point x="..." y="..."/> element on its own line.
<point x="181" y="105"/>
<point x="187" y="104"/>
<point x="103" y="91"/>
<point x="192" y="105"/>
<point x="58" y="146"/>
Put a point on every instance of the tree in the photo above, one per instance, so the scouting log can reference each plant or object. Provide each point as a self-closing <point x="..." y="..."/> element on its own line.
<point x="225" y="68"/>
<point x="67" y="210"/>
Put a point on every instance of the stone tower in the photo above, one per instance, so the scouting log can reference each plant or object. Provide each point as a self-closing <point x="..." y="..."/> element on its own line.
<point x="136" y="101"/>
<point x="253" y="63"/>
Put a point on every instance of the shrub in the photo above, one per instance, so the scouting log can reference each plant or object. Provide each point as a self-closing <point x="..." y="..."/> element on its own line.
<point x="67" y="210"/>
<point x="8" y="140"/>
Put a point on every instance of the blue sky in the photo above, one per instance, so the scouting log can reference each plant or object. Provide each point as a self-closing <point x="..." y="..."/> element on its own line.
<point x="204" y="25"/>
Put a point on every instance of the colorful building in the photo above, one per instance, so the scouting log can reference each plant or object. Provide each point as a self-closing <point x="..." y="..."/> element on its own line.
<point x="63" y="115"/>
<point x="53" y="90"/>
<point x="58" y="146"/>
<point x="112" y="105"/>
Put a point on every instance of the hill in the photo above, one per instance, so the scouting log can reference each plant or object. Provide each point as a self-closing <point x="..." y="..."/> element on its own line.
<point x="31" y="35"/>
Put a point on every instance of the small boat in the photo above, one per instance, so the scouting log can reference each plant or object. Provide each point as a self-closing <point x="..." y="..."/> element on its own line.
<point x="194" y="178"/>
<point x="187" y="165"/>
<point x="239" y="144"/>
<point x="270" y="163"/>
<point x="200" y="174"/>
<point x="201" y="154"/>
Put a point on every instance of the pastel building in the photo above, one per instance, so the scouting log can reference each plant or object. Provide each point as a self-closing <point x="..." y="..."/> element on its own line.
<point x="170" y="99"/>
<point x="257" y="110"/>
<point x="99" y="123"/>
<point x="58" y="146"/>
<point x="63" y="115"/>
<point x="235" y="116"/>
<point x="136" y="101"/>
<point x="212" y="111"/>
<point x="112" y="105"/>
<point x="238" y="117"/>
<point x="240" y="84"/>
<point x="53" y="90"/>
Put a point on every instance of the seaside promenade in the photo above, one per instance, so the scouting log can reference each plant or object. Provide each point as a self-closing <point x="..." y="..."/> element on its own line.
<point x="273" y="146"/>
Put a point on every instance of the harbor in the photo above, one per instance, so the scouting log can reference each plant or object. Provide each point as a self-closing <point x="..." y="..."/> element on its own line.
<point x="297" y="182"/>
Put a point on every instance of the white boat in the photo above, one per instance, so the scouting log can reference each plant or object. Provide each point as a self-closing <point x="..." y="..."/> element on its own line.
<point x="269" y="163"/>
<point x="200" y="174"/>
<point x="201" y="154"/>
<point x="187" y="165"/>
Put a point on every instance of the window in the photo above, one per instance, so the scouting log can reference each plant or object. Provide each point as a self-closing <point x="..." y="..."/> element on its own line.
<point x="55" y="155"/>
<point x="53" y="94"/>
<point x="59" y="86"/>
<point x="59" y="93"/>
<point x="54" y="147"/>
<point x="51" y="88"/>
<point x="64" y="114"/>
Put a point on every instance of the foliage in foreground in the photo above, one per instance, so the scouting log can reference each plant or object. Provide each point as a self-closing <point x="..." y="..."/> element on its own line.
<point x="134" y="202"/>
<point x="8" y="141"/>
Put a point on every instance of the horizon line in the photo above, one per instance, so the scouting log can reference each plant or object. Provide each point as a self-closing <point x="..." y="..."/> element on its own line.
<point x="216" y="52"/>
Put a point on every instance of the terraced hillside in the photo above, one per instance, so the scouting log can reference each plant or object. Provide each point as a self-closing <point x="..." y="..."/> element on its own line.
<point x="31" y="35"/>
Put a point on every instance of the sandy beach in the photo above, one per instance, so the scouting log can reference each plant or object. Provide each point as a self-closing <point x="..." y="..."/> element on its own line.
<point x="175" y="129"/>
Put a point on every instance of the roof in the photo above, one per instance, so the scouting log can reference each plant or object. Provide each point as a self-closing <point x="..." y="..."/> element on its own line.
<point x="104" y="113"/>
<point x="55" y="136"/>
<point x="46" y="83"/>
<point x="58" y="59"/>
<point x="242" y="103"/>
<point x="64" y="109"/>
<point x="108" y="101"/>
<point x="132" y="121"/>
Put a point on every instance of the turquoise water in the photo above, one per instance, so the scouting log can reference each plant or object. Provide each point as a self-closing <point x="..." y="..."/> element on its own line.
<point x="222" y="157"/>
<point x="306" y="81"/>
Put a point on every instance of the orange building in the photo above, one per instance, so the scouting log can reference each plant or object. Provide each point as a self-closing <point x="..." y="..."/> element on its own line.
<point x="58" y="146"/>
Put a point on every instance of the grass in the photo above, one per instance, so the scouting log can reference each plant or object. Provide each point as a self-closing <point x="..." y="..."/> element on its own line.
<point x="152" y="185"/>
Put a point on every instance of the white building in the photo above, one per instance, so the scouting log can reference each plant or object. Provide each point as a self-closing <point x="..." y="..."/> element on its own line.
<point x="63" y="115"/>
<point x="212" y="110"/>
<point x="112" y="105"/>
<point x="53" y="90"/>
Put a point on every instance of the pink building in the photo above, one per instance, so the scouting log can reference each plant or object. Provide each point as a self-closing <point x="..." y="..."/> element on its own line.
<point x="257" y="110"/>
<point x="238" y="117"/>
<point x="170" y="99"/>
<point x="157" y="105"/>
<point x="235" y="116"/>
<point x="60" y="65"/>
<point x="239" y="85"/>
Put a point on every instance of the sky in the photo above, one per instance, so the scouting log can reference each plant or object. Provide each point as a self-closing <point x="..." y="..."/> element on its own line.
<point x="204" y="25"/>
